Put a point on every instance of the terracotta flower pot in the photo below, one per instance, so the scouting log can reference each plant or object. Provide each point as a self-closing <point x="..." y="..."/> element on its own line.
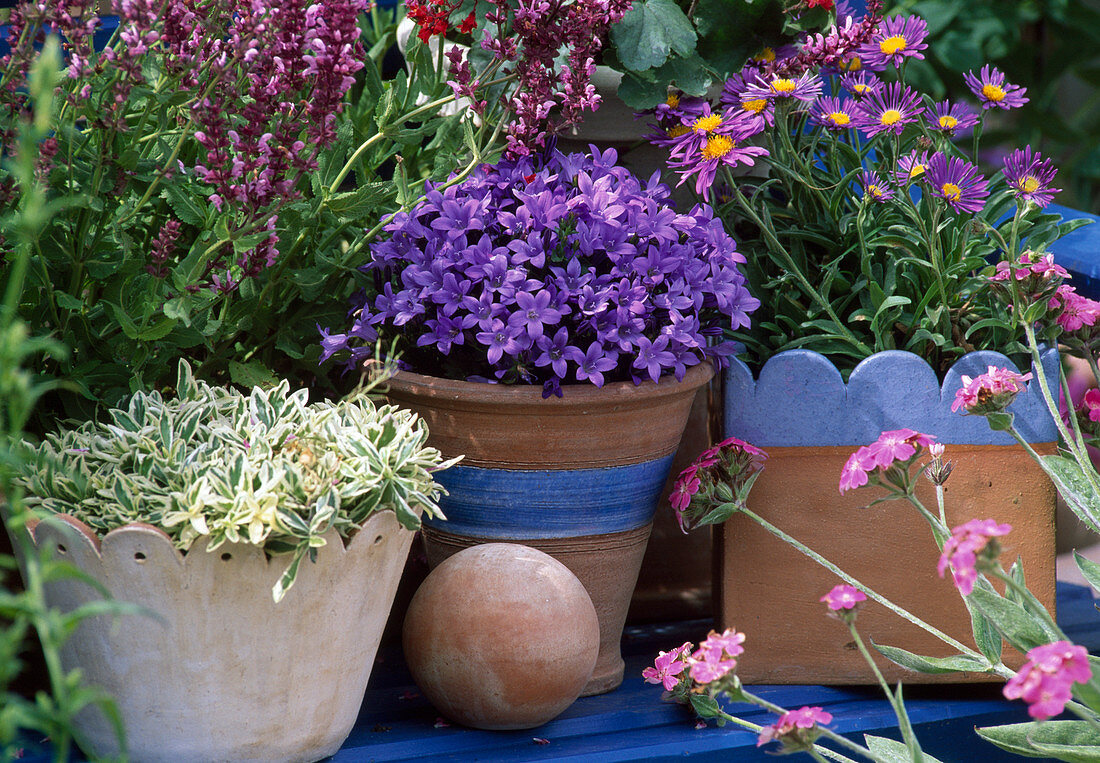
<point x="220" y="671"/>
<point x="810" y="422"/>
<point x="577" y="477"/>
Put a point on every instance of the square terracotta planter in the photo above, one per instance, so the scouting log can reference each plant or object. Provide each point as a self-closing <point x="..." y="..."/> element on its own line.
<point x="809" y="421"/>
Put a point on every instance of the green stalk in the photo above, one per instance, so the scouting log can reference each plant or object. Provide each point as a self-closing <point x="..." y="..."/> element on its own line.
<point x="915" y="753"/>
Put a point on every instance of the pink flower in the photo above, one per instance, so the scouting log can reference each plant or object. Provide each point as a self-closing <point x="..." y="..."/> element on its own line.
<point x="732" y="464"/>
<point x="962" y="550"/>
<point x="1076" y="311"/>
<point x="727" y="642"/>
<point x="667" y="668"/>
<point x="1091" y="404"/>
<point x="992" y="391"/>
<point x="805" y="718"/>
<point x="1046" y="680"/>
<point x="844" y="597"/>
<point x="734" y="443"/>
<point x="894" y="445"/>
<point x="709" y="665"/>
<point x="897" y="445"/>
<point x="687" y="485"/>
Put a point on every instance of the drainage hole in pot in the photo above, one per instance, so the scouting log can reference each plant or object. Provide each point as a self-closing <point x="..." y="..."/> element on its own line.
<point x="139" y="557"/>
<point x="378" y="540"/>
<point x="61" y="549"/>
<point x="226" y="556"/>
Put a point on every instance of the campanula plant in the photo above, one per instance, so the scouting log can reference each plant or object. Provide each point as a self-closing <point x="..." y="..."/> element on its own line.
<point x="549" y="269"/>
<point x="866" y="222"/>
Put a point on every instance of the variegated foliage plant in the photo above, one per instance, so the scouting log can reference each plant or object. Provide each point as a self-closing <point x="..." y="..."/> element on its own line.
<point x="266" y="468"/>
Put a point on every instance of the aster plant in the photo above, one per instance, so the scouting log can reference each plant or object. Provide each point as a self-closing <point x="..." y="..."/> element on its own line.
<point x="550" y="269"/>
<point x="866" y="221"/>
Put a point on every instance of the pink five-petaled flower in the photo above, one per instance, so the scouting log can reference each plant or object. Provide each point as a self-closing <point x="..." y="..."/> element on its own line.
<point x="990" y="392"/>
<point x="786" y="729"/>
<point x="1046" y="680"/>
<point x="716" y="656"/>
<point x="962" y="550"/>
<point x="892" y="446"/>
<point x="687" y="485"/>
<point x="843" y="597"/>
<point x="668" y="667"/>
<point x="1091" y="404"/>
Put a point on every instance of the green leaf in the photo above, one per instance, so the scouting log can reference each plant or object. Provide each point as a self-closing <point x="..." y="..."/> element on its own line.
<point x="1075" y="741"/>
<point x="251" y="374"/>
<point x="705" y="706"/>
<point x="1090" y="570"/>
<point x="352" y="205"/>
<point x="933" y="665"/>
<point x="125" y="322"/>
<point x="187" y="209"/>
<point x="999" y="421"/>
<point x="638" y="92"/>
<point x="160" y="329"/>
<point x="891" y="750"/>
<point x="649" y="32"/>
<point x="1021" y="629"/>
<point x="1074" y="487"/>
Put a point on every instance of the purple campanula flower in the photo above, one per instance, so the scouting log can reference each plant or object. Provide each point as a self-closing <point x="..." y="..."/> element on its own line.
<point x="574" y="269"/>
<point x="992" y="90"/>
<point x="957" y="182"/>
<point x="896" y="39"/>
<point x="889" y="110"/>
<point x="1029" y="176"/>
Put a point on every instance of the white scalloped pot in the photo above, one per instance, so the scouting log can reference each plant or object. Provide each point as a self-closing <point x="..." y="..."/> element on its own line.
<point x="224" y="673"/>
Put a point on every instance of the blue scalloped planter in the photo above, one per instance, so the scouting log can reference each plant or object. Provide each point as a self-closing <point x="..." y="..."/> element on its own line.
<point x="810" y="421"/>
<point x="801" y="399"/>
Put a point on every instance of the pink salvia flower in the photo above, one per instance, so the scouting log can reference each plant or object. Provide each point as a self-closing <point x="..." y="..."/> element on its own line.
<point x="1045" y="681"/>
<point x="970" y="543"/>
<point x="843" y="597"/>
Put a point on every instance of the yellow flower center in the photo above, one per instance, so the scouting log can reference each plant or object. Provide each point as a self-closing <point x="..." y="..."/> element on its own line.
<point x="839" y="118"/>
<point x="678" y="130"/>
<point x="892" y="45"/>
<point x="993" y="93"/>
<point x="951" y="192"/>
<point x="707" y="123"/>
<point x="783" y="86"/>
<point x="767" y="55"/>
<point x="861" y="88"/>
<point x="875" y="191"/>
<point x="717" y="146"/>
<point x="756" y="106"/>
<point x="1029" y="184"/>
<point x="948" y="122"/>
<point x="916" y="171"/>
<point x="853" y="64"/>
<point x="890" y="117"/>
<point x="673" y="101"/>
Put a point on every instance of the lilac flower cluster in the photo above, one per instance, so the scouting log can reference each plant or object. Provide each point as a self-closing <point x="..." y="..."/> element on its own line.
<point x="549" y="268"/>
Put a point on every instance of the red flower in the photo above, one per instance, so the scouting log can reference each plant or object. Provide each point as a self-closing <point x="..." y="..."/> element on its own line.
<point x="470" y="22"/>
<point x="826" y="4"/>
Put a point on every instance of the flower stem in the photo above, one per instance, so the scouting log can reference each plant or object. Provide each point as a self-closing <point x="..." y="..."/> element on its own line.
<point x="895" y="701"/>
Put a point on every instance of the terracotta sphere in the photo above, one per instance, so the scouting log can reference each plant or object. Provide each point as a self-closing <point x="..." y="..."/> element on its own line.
<point x="501" y="636"/>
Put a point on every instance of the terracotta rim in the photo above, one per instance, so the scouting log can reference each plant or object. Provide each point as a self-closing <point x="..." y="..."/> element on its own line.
<point x="573" y="395"/>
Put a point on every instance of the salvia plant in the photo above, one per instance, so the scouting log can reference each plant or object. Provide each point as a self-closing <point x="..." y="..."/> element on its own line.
<point x="548" y="269"/>
<point x="267" y="468"/>
<point x="868" y="226"/>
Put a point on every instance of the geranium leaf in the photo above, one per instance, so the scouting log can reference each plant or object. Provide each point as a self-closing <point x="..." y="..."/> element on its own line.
<point x="649" y="32"/>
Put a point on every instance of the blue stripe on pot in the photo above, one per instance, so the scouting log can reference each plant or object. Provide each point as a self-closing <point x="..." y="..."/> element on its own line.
<point x="505" y="503"/>
<point x="801" y="399"/>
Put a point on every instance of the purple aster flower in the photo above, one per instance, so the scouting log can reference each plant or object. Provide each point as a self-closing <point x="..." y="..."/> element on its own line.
<point x="828" y="112"/>
<point x="860" y="84"/>
<point x="734" y="99"/>
<point x="1029" y="176"/>
<point x="702" y="156"/>
<point x="992" y="90"/>
<point x="874" y="188"/>
<point x="889" y="110"/>
<point x="805" y="87"/>
<point x="952" y="119"/>
<point x="896" y="39"/>
<point x="957" y="182"/>
<point x="911" y="167"/>
<point x="677" y="106"/>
